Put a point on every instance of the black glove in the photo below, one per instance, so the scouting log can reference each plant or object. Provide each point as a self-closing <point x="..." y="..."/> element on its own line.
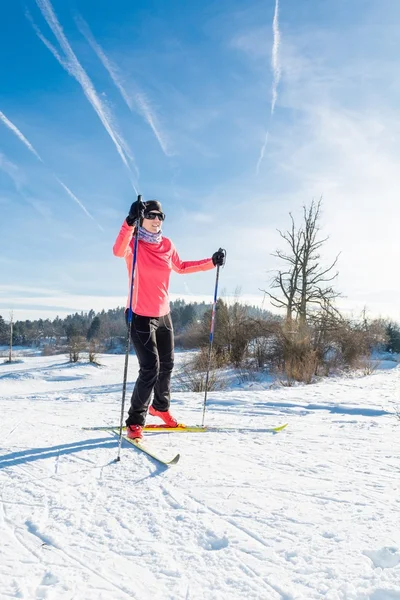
<point x="218" y="258"/>
<point x="135" y="212"/>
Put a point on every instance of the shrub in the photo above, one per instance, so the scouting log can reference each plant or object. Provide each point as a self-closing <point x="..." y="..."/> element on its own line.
<point x="93" y="349"/>
<point x="76" y="345"/>
<point x="192" y="376"/>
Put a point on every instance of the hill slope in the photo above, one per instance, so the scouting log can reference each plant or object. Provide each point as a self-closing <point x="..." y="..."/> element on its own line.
<point x="308" y="513"/>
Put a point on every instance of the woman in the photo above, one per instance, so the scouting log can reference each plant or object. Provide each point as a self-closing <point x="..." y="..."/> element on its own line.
<point x="151" y="330"/>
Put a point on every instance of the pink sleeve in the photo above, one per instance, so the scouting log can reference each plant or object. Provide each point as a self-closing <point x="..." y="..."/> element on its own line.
<point x="121" y="246"/>
<point x="190" y="266"/>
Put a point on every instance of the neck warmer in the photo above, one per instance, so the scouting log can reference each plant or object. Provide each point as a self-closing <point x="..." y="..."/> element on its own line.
<point x="147" y="236"/>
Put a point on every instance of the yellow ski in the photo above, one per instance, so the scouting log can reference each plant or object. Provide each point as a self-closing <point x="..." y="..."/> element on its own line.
<point x="193" y="428"/>
<point x="140" y="445"/>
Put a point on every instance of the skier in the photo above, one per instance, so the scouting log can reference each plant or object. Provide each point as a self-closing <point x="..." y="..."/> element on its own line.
<point x="151" y="328"/>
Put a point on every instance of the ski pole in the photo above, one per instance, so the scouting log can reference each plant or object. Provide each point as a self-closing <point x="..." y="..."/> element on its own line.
<point x="130" y="313"/>
<point x="214" y="307"/>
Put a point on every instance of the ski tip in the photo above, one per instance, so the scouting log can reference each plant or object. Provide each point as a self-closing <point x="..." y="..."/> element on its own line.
<point x="280" y="428"/>
<point x="138" y="443"/>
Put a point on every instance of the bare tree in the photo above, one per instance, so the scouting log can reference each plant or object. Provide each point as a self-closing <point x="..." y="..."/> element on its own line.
<point x="307" y="296"/>
<point x="305" y="284"/>
<point x="287" y="281"/>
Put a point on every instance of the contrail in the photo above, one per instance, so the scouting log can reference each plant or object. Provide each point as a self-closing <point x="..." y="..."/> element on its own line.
<point x="45" y="41"/>
<point x="276" y="72"/>
<point x="10" y="168"/>
<point x="275" y="64"/>
<point x="262" y="152"/>
<point x="114" y="72"/>
<point x="74" y="68"/>
<point x="109" y="66"/>
<point x="72" y="195"/>
<point x="14" y="173"/>
<point x="17" y="132"/>
<point x="151" y="119"/>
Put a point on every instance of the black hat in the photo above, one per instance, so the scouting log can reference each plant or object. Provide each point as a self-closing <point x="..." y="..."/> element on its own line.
<point x="152" y="205"/>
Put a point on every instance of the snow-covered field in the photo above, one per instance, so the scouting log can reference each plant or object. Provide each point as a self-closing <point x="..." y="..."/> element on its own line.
<point x="312" y="512"/>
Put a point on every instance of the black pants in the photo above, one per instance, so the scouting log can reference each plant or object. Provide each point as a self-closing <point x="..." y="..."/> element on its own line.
<point x="153" y="340"/>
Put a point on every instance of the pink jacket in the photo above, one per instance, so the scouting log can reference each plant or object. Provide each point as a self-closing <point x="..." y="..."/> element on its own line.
<point x="152" y="272"/>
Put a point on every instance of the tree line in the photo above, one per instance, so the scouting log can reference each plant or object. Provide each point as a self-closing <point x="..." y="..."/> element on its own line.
<point x="310" y="337"/>
<point x="106" y="328"/>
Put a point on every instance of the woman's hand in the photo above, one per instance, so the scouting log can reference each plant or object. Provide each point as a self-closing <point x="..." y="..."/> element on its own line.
<point x="135" y="212"/>
<point x="218" y="258"/>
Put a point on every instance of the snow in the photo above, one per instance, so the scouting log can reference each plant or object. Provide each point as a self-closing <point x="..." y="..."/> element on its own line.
<point x="312" y="512"/>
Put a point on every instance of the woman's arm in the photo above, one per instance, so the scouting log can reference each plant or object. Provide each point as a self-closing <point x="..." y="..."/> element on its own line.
<point x="121" y="246"/>
<point x="190" y="266"/>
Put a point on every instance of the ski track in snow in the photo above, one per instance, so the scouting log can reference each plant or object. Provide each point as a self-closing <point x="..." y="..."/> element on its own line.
<point x="309" y="513"/>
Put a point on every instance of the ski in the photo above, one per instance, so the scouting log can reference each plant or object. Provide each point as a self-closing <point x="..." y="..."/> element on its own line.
<point x="193" y="428"/>
<point x="212" y="429"/>
<point x="179" y="427"/>
<point x="143" y="448"/>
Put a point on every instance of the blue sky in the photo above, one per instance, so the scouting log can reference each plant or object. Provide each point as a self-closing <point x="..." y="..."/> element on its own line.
<point x="173" y="99"/>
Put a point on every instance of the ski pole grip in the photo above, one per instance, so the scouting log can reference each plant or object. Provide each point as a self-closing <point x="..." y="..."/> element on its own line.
<point x="140" y="205"/>
<point x="224" y="253"/>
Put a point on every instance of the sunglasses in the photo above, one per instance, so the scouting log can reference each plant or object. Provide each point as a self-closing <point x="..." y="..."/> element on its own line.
<point x="154" y="215"/>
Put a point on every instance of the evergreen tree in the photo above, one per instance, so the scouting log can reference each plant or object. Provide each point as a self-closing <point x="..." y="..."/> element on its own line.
<point x="4" y="334"/>
<point x="188" y="314"/>
<point x="393" y="335"/>
<point x="94" y="330"/>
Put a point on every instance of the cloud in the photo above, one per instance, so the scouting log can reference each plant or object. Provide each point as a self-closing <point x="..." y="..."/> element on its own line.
<point x="72" y="65"/>
<point x="251" y="42"/>
<point x="201" y="217"/>
<point x="334" y="142"/>
<point x="142" y="103"/>
<point x="18" y="133"/>
<point x="32" y="303"/>
<point x="26" y="289"/>
<point x="351" y="159"/>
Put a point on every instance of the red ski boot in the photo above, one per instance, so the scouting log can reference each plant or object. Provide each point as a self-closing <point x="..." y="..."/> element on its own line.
<point x="165" y="416"/>
<point x="134" y="432"/>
